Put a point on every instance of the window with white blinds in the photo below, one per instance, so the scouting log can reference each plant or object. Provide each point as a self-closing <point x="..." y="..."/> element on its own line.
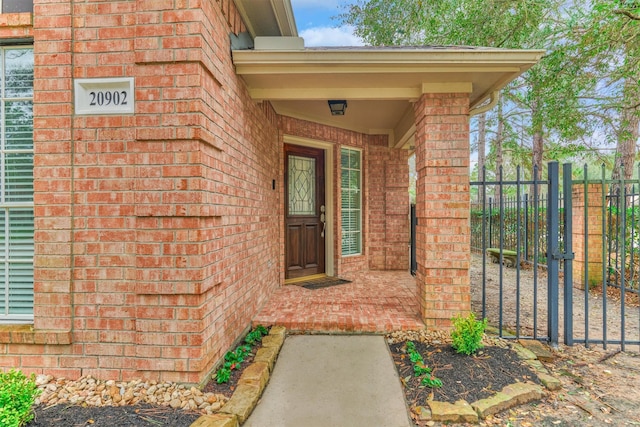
<point x="351" y="210"/>
<point x="16" y="184"/>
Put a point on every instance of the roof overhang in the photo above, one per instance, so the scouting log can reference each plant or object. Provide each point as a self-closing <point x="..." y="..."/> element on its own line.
<point x="267" y="18"/>
<point x="380" y="84"/>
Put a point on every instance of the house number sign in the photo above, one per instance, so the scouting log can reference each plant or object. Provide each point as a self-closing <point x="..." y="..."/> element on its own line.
<point x="104" y="96"/>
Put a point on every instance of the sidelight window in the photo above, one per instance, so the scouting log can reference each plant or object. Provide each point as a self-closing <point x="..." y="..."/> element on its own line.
<point x="351" y="211"/>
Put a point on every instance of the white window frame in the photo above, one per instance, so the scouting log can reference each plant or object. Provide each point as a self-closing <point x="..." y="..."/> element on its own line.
<point x="343" y="210"/>
<point x="7" y="259"/>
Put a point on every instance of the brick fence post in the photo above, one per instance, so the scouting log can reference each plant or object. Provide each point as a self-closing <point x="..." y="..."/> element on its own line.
<point x="587" y="248"/>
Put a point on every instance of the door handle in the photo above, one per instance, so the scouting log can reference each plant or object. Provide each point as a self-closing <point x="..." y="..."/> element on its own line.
<point x="323" y="220"/>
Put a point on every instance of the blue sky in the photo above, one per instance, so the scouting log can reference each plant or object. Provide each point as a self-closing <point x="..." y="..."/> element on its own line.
<point x="316" y="27"/>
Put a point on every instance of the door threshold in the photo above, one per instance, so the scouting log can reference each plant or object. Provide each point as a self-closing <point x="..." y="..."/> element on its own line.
<point x="304" y="279"/>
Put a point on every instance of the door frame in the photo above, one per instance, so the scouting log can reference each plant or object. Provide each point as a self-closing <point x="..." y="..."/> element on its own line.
<point x="329" y="202"/>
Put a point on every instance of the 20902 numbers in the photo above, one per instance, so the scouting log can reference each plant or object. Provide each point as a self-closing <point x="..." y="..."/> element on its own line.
<point x="102" y="98"/>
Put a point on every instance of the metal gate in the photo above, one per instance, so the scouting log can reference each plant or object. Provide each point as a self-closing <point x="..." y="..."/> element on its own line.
<point x="525" y="276"/>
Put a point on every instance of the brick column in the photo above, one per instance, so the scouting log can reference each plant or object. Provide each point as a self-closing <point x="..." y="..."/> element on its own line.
<point x="52" y="176"/>
<point x="594" y="218"/>
<point x="442" y="207"/>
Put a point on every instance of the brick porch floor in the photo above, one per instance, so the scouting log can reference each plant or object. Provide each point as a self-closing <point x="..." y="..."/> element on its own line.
<point x="375" y="301"/>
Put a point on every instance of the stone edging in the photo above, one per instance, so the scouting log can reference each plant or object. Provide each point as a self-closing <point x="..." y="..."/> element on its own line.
<point x="250" y="386"/>
<point x="510" y="396"/>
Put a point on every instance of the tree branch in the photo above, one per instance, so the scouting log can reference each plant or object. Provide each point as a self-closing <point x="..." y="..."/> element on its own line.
<point x="627" y="14"/>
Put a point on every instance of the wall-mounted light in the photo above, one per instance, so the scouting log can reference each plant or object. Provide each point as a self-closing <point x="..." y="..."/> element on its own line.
<point x="337" y="107"/>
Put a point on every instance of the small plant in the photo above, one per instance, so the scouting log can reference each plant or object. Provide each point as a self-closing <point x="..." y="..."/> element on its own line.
<point x="420" y="369"/>
<point x="223" y="375"/>
<point x="256" y="335"/>
<point x="233" y="359"/>
<point x="17" y="395"/>
<point x="467" y="333"/>
<point x="431" y="381"/>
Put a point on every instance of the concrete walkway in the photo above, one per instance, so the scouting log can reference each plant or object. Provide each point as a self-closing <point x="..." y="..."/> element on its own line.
<point x="332" y="381"/>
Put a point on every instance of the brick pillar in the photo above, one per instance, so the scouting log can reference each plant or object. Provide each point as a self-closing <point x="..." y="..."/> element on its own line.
<point x="442" y="207"/>
<point x="52" y="175"/>
<point x="594" y="218"/>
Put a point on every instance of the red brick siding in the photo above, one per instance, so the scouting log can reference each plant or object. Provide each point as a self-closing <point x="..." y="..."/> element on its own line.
<point x="159" y="235"/>
<point x="388" y="236"/>
<point x="156" y="238"/>
<point x="385" y="181"/>
<point x="442" y="207"/>
<point x="16" y="25"/>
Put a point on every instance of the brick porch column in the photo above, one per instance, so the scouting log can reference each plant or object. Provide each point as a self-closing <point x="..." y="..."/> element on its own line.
<point x="594" y="219"/>
<point x="442" y="207"/>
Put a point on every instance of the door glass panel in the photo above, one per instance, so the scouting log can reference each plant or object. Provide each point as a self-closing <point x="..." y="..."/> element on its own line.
<point x="302" y="185"/>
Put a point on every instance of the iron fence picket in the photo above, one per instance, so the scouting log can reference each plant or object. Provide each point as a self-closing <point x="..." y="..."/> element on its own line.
<point x="518" y="253"/>
<point x="484" y="242"/>
<point x="568" y="253"/>
<point x="536" y="249"/>
<point x="553" y="241"/>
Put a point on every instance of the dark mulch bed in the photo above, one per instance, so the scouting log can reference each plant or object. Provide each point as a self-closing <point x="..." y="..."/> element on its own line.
<point x="112" y="416"/>
<point x="226" y="389"/>
<point x="463" y="377"/>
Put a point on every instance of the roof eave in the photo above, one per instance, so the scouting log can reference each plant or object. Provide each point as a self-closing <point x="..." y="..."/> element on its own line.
<point x="269" y="18"/>
<point x="502" y="65"/>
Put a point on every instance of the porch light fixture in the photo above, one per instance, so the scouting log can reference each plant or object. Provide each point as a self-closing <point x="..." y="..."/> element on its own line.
<point x="337" y="107"/>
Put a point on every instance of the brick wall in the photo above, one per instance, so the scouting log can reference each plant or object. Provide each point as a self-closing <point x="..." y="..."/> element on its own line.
<point x="156" y="238"/>
<point x="388" y="236"/>
<point x="385" y="197"/>
<point x="159" y="234"/>
<point x="442" y="207"/>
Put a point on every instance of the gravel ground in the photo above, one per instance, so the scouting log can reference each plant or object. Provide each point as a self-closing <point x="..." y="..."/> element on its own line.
<point x="531" y="298"/>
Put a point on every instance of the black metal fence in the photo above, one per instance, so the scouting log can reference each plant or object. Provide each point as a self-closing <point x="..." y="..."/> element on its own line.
<point x="511" y="223"/>
<point x="412" y="254"/>
<point x="510" y="228"/>
<point x="623" y="238"/>
<point x="534" y="285"/>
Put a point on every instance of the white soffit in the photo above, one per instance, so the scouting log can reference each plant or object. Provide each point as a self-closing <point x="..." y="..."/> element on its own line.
<point x="267" y="17"/>
<point x="380" y="84"/>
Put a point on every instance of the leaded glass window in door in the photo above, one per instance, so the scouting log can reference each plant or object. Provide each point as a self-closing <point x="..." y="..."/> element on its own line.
<point x="302" y="185"/>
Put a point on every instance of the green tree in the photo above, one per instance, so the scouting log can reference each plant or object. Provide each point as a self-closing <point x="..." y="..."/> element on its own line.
<point x="605" y="42"/>
<point x="541" y="94"/>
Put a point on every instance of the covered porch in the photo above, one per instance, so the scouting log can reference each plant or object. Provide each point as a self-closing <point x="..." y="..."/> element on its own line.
<point x="373" y="302"/>
<point x="398" y="100"/>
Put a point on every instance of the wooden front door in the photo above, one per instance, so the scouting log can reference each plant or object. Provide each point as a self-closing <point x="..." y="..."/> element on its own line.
<point x="304" y="211"/>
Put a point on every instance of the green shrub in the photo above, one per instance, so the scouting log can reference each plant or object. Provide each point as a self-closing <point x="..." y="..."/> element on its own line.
<point x="17" y="395"/>
<point x="467" y="334"/>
